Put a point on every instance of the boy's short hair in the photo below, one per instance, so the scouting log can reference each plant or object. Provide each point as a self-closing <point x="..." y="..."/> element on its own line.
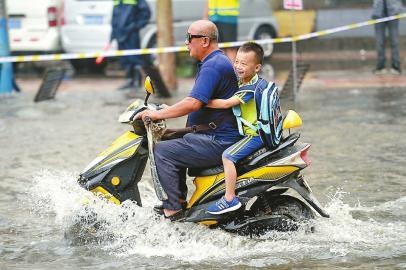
<point x="253" y="47"/>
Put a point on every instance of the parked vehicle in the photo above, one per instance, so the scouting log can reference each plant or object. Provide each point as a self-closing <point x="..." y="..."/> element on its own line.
<point x="34" y="26"/>
<point x="86" y="24"/>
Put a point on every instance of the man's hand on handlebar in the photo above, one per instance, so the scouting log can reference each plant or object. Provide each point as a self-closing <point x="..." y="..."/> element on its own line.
<point x="153" y="115"/>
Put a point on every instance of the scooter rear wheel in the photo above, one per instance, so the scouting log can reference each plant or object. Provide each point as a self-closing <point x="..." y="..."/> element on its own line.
<point x="294" y="212"/>
<point x="273" y="213"/>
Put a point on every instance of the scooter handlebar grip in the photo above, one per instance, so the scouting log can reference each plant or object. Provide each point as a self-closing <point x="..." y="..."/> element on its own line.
<point x="147" y="119"/>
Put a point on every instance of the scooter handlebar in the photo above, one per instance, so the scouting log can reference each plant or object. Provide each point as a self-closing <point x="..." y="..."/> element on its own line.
<point x="147" y="120"/>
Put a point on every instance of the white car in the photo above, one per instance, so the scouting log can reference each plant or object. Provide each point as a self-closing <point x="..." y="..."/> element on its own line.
<point x="86" y="24"/>
<point x="34" y="26"/>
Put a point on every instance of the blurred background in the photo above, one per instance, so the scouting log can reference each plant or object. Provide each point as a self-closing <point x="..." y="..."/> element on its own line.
<point x="77" y="26"/>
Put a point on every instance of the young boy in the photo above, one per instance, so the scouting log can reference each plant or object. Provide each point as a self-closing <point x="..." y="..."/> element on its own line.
<point x="247" y="64"/>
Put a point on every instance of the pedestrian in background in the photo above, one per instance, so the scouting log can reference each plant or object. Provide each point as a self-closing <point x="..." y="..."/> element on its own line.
<point x="224" y="14"/>
<point x="382" y="9"/>
<point x="129" y="17"/>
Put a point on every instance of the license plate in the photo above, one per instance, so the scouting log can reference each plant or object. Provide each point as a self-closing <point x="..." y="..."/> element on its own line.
<point x="14" y="23"/>
<point x="93" y="19"/>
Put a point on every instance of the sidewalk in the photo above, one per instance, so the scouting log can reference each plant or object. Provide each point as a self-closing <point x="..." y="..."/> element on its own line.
<point x="338" y="70"/>
<point x="323" y="80"/>
<point x="315" y="80"/>
<point x="350" y="79"/>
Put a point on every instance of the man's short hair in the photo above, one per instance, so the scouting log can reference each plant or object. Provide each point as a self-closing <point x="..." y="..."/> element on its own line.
<point x="214" y="35"/>
<point x="253" y="47"/>
<point x="211" y="31"/>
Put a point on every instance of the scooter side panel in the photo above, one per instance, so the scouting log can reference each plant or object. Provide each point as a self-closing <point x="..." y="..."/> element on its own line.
<point x="207" y="186"/>
<point x="121" y="148"/>
<point x="119" y="142"/>
<point x="114" y="174"/>
<point x="204" y="183"/>
<point x="269" y="173"/>
<point x="119" y="183"/>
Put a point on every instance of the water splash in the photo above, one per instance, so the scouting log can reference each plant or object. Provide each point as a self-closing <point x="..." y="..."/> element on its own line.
<point x="130" y="230"/>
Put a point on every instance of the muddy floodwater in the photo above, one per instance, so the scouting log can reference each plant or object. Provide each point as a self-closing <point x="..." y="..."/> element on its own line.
<point x="358" y="172"/>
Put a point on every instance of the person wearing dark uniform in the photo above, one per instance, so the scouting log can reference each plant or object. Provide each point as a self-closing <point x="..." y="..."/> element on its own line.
<point x="129" y="17"/>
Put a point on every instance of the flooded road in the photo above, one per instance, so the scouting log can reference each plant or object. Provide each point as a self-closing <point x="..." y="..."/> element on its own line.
<point x="358" y="172"/>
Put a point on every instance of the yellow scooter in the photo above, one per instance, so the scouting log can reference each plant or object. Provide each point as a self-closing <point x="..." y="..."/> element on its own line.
<point x="274" y="194"/>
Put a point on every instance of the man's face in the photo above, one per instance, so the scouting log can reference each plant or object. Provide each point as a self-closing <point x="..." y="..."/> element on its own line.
<point x="194" y="43"/>
<point x="245" y="65"/>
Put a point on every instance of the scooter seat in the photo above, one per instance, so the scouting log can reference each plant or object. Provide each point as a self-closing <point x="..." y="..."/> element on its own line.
<point x="218" y="169"/>
<point x="205" y="171"/>
<point x="247" y="163"/>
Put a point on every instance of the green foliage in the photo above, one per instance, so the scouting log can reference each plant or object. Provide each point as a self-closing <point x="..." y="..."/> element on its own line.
<point x="185" y="65"/>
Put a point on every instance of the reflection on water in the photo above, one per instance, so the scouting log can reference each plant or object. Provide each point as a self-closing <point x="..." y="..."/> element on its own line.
<point x="358" y="154"/>
<point x="390" y="101"/>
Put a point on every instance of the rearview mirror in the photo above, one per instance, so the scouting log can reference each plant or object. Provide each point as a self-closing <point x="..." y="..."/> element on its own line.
<point x="149" y="87"/>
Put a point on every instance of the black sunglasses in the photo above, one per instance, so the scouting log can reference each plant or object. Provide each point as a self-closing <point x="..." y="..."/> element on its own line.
<point x="189" y="36"/>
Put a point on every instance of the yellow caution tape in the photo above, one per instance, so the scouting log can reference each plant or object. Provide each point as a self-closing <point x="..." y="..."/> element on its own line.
<point x="112" y="53"/>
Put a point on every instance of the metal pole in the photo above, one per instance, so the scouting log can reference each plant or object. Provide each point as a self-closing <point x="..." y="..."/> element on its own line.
<point x="6" y="69"/>
<point x="294" y="55"/>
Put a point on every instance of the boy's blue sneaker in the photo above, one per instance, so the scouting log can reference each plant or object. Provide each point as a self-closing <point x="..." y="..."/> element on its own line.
<point x="223" y="206"/>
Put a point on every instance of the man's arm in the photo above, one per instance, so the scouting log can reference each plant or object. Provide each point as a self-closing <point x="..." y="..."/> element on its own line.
<point x="183" y="107"/>
<point x="223" y="103"/>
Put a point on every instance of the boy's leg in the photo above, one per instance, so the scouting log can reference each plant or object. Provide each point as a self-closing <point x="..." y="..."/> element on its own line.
<point x="229" y="202"/>
<point x="230" y="174"/>
<point x="235" y="153"/>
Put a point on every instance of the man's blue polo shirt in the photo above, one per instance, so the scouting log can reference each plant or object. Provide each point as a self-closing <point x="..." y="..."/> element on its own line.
<point x="215" y="79"/>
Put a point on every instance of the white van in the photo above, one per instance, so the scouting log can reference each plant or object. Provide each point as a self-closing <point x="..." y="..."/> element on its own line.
<point x="34" y="26"/>
<point x="87" y="26"/>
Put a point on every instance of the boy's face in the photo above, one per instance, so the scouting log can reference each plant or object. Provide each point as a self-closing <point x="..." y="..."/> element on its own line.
<point x="246" y="66"/>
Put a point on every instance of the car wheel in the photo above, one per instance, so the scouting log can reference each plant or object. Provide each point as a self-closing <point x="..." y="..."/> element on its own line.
<point x="88" y="66"/>
<point x="265" y="32"/>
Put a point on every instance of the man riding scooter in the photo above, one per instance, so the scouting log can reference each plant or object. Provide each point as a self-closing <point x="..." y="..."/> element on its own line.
<point x="214" y="129"/>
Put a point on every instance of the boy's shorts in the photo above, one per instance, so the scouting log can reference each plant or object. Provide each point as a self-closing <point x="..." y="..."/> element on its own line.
<point x="243" y="148"/>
